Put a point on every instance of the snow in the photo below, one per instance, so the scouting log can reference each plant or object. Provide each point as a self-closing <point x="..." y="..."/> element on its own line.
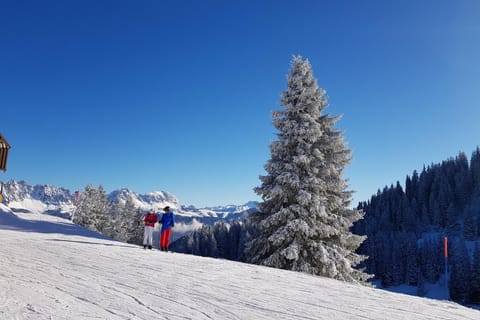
<point x="52" y="269"/>
<point x="437" y="291"/>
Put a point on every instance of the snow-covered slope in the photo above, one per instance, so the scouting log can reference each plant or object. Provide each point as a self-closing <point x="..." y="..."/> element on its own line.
<point x="39" y="198"/>
<point x="23" y="197"/>
<point x="51" y="269"/>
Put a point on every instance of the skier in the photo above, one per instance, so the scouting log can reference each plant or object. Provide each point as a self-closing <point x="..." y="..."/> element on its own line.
<point x="150" y="219"/>
<point x="168" y="222"/>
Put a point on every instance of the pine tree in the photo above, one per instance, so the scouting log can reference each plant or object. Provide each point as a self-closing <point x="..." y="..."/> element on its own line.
<point x="234" y="234"/>
<point x="220" y="231"/>
<point x="411" y="267"/>
<point x="92" y="208"/>
<point x="475" y="171"/>
<point x="84" y="206"/>
<point x="475" y="284"/>
<point x="135" y="226"/>
<point x="304" y="220"/>
<point x="469" y="225"/>
<point x="127" y="222"/>
<point x="460" y="276"/>
<point x="430" y="259"/>
<point x="100" y="210"/>
<point x="207" y="245"/>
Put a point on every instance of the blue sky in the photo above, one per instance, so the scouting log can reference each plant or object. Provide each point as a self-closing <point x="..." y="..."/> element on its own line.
<point x="178" y="95"/>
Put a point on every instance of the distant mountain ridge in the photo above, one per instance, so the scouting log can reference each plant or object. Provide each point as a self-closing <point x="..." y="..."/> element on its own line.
<point x="18" y="191"/>
<point x="23" y="197"/>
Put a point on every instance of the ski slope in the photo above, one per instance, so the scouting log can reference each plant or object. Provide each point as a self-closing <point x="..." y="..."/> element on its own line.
<point x="52" y="269"/>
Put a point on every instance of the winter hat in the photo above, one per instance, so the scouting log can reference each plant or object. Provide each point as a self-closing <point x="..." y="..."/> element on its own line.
<point x="167" y="208"/>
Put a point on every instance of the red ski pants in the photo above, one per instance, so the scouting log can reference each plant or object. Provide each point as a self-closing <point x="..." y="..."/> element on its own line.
<point x="165" y="239"/>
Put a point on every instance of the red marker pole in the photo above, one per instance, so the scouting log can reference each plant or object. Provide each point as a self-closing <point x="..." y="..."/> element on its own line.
<point x="445" y="254"/>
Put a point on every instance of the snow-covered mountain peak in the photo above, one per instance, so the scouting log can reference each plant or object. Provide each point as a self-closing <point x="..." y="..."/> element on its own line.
<point x="39" y="198"/>
<point x="21" y="190"/>
<point x="161" y="199"/>
<point x="155" y="200"/>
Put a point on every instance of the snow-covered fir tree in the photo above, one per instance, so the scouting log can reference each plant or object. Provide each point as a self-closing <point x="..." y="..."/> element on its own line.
<point x="303" y="222"/>
<point x="92" y="208"/>
<point x="132" y="222"/>
<point x="126" y="221"/>
<point x="81" y="214"/>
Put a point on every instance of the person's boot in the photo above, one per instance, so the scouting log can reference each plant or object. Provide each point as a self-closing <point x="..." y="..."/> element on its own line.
<point x="150" y="247"/>
<point x="144" y="246"/>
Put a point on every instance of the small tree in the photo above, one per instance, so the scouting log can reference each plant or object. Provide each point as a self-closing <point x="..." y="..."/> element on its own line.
<point x="100" y="210"/>
<point x="136" y="229"/>
<point x="303" y="222"/>
<point x="92" y="208"/>
<point x="82" y="215"/>
<point x="126" y="221"/>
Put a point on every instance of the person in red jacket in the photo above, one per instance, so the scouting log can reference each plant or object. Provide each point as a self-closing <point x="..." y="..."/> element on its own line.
<point x="150" y="219"/>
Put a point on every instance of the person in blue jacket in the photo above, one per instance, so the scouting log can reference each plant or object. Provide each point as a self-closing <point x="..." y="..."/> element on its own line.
<point x="168" y="222"/>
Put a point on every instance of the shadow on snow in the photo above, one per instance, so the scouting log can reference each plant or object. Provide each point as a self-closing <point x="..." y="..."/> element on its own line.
<point x="96" y="243"/>
<point x="9" y="221"/>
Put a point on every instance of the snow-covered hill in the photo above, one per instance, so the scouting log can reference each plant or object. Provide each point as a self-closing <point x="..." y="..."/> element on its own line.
<point x="23" y="197"/>
<point x="52" y="269"/>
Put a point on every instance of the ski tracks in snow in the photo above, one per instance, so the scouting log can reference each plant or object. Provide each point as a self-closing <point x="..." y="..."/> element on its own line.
<point x="44" y="275"/>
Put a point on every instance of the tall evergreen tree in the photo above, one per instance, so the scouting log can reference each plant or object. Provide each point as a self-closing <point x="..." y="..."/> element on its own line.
<point x="303" y="222"/>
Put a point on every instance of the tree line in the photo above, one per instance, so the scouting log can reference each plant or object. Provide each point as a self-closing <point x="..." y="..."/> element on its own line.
<point x="118" y="221"/>
<point x="222" y="240"/>
<point x="405" y="228"/>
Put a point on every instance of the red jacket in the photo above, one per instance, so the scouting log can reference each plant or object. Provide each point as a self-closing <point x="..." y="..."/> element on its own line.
<point x="150" y="219"/>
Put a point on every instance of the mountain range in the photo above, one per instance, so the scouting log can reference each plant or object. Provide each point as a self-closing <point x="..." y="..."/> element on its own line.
<point x="58" y="201"/>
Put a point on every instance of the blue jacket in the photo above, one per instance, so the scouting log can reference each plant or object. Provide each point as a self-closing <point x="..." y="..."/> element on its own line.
<point x="167" y="220"/>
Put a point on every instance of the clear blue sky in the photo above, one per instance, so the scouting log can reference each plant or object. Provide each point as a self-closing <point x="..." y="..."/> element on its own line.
<point x="178" y="95"/>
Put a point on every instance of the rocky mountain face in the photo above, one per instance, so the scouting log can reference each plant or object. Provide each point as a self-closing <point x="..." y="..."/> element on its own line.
<point x="19" y="191"/>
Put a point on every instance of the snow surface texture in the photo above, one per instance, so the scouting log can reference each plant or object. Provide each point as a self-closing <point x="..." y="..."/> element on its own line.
<point x="52" y="269"/>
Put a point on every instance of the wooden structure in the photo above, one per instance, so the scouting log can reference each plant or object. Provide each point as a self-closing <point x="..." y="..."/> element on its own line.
<point x="4" y="147"/>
